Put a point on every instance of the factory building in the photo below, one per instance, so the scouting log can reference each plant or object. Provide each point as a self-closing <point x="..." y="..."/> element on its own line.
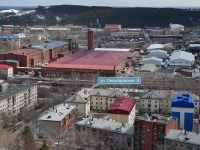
<point x="33" y="56"/>
<point x="113" y="27"/>
<point x="99" y="62"/>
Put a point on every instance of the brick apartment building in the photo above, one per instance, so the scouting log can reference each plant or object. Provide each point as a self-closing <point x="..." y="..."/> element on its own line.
<point x="150" y="131"/>
<point x="57" y="118"/>
<point x="32" y="56"/>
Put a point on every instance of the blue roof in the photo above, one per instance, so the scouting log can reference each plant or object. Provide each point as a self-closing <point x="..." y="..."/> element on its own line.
<point x="183" y="101"/>
<point x="8" y="38"/>
<point x="49" y="45"/>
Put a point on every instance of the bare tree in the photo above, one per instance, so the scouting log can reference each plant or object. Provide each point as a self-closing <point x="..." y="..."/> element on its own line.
<point x="8" y="140"/>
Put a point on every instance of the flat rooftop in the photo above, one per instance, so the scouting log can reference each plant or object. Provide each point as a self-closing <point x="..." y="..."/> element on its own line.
<point x="96" y="60"/>
<point x="107" y="124"/>
<point x="179" y="136"/>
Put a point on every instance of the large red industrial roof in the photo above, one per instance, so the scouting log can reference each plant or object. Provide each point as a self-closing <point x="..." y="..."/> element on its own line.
<point x="2" y="66"/>
<point x="104" y="60"/>
<point x="123" y="105"/>
<point x="24" y="51"/>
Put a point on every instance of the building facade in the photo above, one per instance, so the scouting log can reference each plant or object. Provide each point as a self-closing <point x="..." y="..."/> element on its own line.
<point x="58" y="118"/>
<point x="115" y="135"/>
<point x="182" y="140"/>
<point x="149" y="131"/>
<point x="183" y="108"/>
<point x="81" y="100"/>
<point x="113" y="27"/>
<point x="6" y="71"/>
<point x="101" y="99"/>
<point x="123" y="110"/>
<point x="181" y="59"/>
<point x="20" y="97"/>
<point x="36" y="55"/>
<point x="159" y="101"/>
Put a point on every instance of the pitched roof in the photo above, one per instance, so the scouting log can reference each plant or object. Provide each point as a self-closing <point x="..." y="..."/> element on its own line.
<point x="123" y="105"/>
<point x="182" y="55"/>
<point x="81" y="96"/>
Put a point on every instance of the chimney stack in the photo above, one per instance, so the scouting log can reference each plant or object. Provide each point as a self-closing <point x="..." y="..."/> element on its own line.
<point x="70" y="45"/>
<point x="90" y="40"/>
<point x="56" y="110"/>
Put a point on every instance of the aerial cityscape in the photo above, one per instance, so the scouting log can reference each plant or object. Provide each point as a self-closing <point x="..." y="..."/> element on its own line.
<point x="107" y="75"/>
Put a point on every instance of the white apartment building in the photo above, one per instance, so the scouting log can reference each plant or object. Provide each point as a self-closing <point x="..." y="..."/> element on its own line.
<point x="22" y="96"/>
<point x="182" y="140"/>
<point x="116" y="135"/>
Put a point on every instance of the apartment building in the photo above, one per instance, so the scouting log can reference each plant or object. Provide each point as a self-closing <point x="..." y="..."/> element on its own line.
<point x="5" y="71"/>
<point x="114" y="134"/>
<point x="123" y="110"/>
<point x="182" y="140"/>
<point x="22" y="96"/>
<point x="159" y="101"/>
<point x="57" y="118"/>
<point x="149" y="131"/>
<point x="81" y="100"/>
<point x="165" y="32"/>
<point x="101" y="99"/>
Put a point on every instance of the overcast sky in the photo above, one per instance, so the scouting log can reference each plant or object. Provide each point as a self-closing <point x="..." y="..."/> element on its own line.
<point x="131" y="3"/>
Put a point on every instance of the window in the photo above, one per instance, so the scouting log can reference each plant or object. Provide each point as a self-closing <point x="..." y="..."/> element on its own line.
<point x="180" y="62"/>
<point x="195" y="103"/>
<point x="156" y="101"/>
<point x="156" y="106"/>
<point x="96" y="102"/>
<point x="83" y="129"/>
<point x="101" y="98"/>
<point x="96" y="98"/>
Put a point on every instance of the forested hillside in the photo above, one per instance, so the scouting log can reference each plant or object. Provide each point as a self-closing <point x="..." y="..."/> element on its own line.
<point x="84" y="15"/>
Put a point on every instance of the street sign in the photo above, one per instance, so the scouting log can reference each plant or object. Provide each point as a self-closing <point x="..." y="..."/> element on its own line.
<point x="119" y="80"/>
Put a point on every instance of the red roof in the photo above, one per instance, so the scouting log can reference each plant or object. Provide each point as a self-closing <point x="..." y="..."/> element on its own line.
<point x="3" y="66"/>
<point x="104" y="60"/>
<point x="123" y="105"/>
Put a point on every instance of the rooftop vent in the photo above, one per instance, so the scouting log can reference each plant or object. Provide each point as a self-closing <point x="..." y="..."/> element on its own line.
<point x="48" y="117"/>
<point x="187" y="138"/>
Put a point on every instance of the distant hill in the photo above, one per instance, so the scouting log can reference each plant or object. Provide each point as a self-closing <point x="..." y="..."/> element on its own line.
<point x="84" y="15"/>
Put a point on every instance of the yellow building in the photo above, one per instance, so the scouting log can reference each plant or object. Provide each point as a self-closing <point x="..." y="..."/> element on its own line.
<point x="81" y="100"/>
<point x="123" y="110"/>
<point x="5" y="71"/>
<point x="113" y="27"/>
<point x="100" y="99"/>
